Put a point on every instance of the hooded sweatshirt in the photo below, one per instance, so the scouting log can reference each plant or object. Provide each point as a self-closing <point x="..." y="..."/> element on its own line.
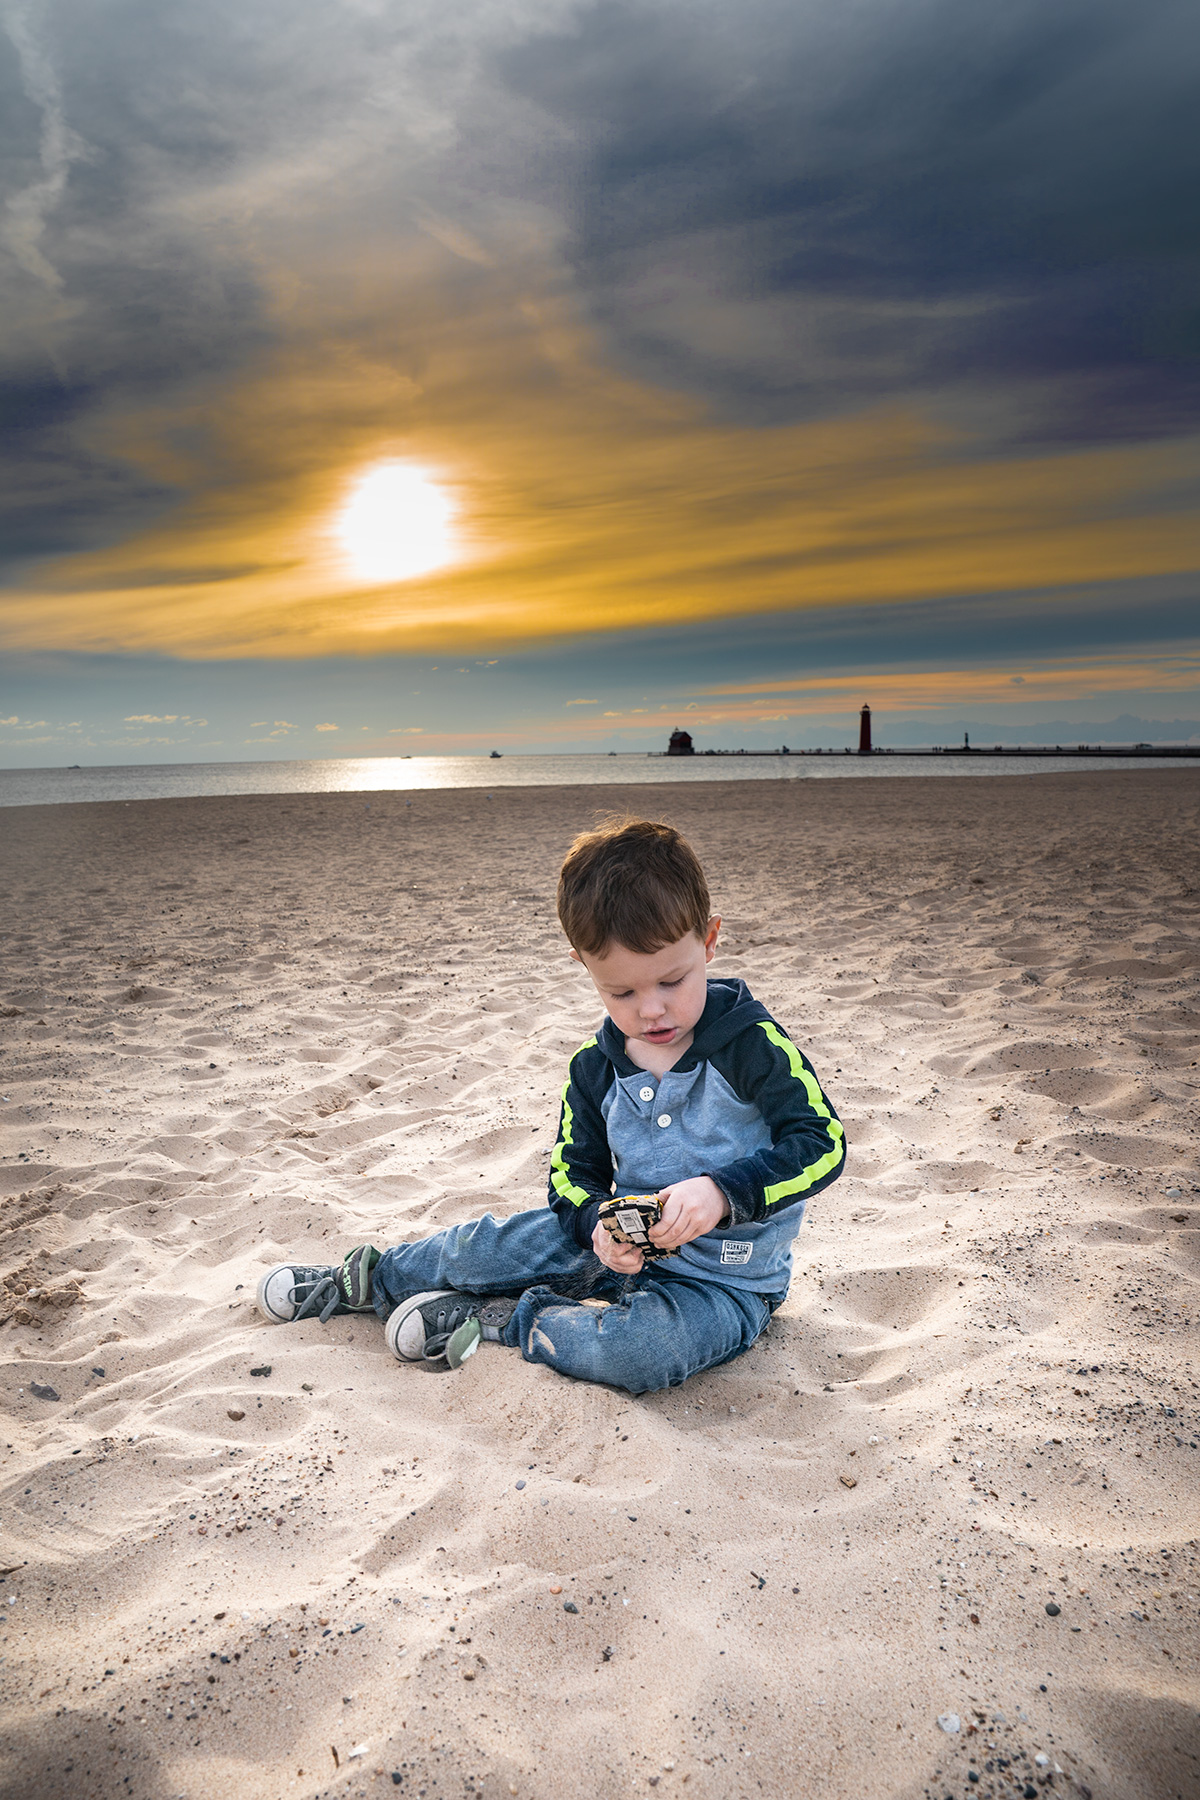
<point x="742" y="1105"/>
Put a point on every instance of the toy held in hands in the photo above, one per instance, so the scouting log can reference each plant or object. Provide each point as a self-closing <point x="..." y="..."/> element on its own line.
<point x="628" y="1220"/>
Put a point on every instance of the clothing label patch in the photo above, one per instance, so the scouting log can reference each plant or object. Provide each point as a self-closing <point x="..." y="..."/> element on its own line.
<point x="732" y="1252"/>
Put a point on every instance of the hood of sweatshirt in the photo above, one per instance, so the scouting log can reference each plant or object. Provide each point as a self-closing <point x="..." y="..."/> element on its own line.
<point x="729" y="1009"/>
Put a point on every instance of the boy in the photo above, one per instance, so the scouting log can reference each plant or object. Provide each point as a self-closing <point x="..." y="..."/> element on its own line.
<point x="689" y="1091"/>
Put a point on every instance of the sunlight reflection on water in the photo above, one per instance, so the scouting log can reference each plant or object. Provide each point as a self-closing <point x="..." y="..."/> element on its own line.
<point x="382" y="774"/>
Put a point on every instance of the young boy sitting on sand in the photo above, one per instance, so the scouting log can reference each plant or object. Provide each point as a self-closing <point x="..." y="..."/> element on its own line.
<point x="690" y="1094"/>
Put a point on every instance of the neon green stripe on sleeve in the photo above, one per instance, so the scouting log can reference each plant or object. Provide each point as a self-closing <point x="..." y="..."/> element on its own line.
<point x="560" y="1175"/>
<point x="783" y="1190"/>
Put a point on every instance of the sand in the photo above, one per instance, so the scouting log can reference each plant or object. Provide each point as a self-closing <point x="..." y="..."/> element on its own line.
<point x="238" y="1030"/>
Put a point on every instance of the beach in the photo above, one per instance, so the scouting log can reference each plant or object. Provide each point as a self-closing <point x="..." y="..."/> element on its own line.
<point x="940" y="1522"/>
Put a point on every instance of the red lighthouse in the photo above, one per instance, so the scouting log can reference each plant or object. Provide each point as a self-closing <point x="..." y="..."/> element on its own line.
<point x="864" y="732"/>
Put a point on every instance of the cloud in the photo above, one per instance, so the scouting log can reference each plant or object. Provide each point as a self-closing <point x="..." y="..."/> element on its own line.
<point x="643" y="516"/>
<point x="326" y="727"/>
<point x="743" y="310"/>
<point x="23" y="222"/>
<point x="1170" y="671"/>
<point x="164" y="719"/>
<point x="813" y="208"/>
<point x="582" y="703"/>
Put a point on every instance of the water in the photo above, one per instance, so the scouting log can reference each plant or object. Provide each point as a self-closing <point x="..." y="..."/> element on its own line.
<point x="376" y="774"/>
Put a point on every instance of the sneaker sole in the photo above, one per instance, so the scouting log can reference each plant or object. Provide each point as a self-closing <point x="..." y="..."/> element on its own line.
<point x="405" y="1309"/>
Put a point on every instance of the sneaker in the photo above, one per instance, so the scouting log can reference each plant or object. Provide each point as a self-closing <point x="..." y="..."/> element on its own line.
<point x="444" y="1326"/>
<point x="292" y="1291"/>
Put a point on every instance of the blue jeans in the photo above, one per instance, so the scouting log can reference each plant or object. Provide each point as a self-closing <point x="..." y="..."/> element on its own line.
<point x="657" y="1329"/>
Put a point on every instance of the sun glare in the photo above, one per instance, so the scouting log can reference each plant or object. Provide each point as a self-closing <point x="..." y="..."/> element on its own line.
<point x="396" y="524"/>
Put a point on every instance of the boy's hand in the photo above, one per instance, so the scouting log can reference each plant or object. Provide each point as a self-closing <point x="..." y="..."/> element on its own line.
<point x="690" y="1208"/>
<point x="622" y="1259"/>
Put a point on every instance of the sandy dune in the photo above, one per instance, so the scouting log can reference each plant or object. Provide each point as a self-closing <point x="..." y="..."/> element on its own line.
<point x="238" y="1029"/>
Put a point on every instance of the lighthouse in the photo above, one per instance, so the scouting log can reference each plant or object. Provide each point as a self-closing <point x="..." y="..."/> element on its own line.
<point x="864" y="732"/>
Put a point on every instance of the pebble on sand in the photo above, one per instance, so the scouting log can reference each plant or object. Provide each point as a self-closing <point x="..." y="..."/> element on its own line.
<point x="1053" y="1609"/>
<point x="233" y="1413"/>
<point x="42" y="1392"/>
<point x="950" y="1722"/>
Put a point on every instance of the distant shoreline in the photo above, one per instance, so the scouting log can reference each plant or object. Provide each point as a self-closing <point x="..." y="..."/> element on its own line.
<point x="1075" y="750"/>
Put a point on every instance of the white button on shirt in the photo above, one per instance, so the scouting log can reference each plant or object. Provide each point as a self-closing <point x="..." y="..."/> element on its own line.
<point x="646" y="1094"/>
<point x="664" y="1119"/>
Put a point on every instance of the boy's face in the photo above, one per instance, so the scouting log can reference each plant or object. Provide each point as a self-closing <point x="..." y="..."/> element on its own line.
<point x="655" y="997"/>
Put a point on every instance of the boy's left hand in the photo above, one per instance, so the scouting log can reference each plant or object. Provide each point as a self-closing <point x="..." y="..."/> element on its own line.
<point x="689" y="1209"/>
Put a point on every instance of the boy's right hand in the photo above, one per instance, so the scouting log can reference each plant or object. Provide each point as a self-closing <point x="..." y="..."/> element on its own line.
<point x="622" y="1259"/>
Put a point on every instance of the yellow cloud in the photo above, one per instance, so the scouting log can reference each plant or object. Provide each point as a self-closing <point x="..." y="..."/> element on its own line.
<point x="583" y="501"/>
<point x="914" y="689"/>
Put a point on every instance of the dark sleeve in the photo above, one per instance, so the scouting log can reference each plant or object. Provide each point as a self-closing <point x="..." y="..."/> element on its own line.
<point x="581" y="1169"/>
<point x="808" y="1145"/>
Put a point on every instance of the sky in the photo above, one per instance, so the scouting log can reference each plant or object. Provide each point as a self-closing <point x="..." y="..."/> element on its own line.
<point x="533" y="375"/>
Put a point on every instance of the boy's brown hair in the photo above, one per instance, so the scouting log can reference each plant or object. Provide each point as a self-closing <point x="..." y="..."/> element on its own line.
<point x="633" y="882"/>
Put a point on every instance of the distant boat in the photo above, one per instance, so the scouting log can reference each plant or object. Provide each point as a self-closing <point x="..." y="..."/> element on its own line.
<point x="71" y="766"/>
<point x="496" y="755"/>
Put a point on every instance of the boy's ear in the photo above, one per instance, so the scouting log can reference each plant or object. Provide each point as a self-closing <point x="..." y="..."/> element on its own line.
<point x="575" y="956"/>
<point x="710" y="937"/>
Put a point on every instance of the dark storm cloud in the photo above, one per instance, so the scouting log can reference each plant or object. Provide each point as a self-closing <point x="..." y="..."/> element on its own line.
<point x="968" y="630"/>
<point x="793" y="209"/>
<point x="54" y="495"/>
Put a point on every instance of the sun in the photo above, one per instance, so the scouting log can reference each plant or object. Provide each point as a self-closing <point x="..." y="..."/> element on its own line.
<point x="396" y="524"/>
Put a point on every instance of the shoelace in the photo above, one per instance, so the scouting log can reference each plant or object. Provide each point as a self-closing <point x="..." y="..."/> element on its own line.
<point x="448" y="1324"/>
<point x="325" y="1294"/>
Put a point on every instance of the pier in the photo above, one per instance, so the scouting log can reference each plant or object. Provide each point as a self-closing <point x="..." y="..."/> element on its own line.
<point x="681" y="745"/>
